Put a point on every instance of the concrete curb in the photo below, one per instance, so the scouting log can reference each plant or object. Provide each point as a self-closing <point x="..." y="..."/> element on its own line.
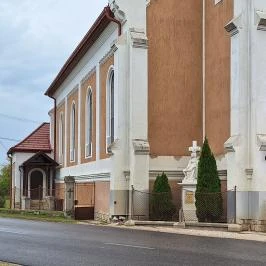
<point x="175" y="224"/>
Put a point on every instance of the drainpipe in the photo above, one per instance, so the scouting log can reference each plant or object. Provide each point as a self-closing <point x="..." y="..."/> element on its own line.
<point x="10" y="182"/>
<point x="203" y="70"/>
<point x="109" y="16"/>
<point x="55" y="120"/>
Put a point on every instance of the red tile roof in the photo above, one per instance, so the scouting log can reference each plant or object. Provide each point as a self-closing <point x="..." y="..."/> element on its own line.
<point x="38" y="140"/>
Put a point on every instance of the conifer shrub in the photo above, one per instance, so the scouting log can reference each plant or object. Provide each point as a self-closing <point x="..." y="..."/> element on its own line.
<point x="161" y="205"/>
<point x="209" y="202"/>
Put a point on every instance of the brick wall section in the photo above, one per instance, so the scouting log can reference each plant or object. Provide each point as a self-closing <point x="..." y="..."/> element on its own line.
<point x="218" y="49"/>
<point x="175" y="75"/>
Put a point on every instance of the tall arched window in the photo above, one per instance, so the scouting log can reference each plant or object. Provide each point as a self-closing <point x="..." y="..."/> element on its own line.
<point x="88" y="145"/>
<point x="110" y="108"/>
<point x="73" y="132"/>
<point x="61" y="138"/>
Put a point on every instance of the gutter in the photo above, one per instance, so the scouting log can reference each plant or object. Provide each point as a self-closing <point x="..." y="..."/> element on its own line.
<point x="55" y="121"/>
<point x="108" y="13"/>
<point x="10" y="182"/>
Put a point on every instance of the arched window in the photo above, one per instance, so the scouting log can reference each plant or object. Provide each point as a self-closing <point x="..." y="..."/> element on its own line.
<point x="110" y="108"/>
<point x="61" y="138"/>
<point x="72" y="132"/>
<point x="88" y="145"/>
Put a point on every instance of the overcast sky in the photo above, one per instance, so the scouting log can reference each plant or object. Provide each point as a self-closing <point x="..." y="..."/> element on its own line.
<point x="37" y="36"/>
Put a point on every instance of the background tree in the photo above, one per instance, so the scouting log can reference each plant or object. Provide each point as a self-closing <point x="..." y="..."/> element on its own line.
<point x="4" y="184"/>
<point x="162" y="207"/>
<point x="209" y="202"/>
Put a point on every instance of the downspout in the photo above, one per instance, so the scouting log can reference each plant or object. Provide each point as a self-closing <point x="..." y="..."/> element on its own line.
<point x="55" y="127"/>
<point x="10" y="181"/>
<point x="55" y="120"/>
<point x="109" y="17"/>
<point x="203" y="70"/>
<point x="249" y="75"/>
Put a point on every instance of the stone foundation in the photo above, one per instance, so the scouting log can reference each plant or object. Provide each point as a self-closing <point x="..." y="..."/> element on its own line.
<point x="253" y="225"/>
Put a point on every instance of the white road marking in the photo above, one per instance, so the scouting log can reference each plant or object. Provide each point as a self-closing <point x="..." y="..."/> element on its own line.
<point x="130" y="246"/>
<point x="11" y="232"/>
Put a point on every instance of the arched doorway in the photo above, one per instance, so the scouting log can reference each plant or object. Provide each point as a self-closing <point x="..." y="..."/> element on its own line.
<point x="36" y="185"/>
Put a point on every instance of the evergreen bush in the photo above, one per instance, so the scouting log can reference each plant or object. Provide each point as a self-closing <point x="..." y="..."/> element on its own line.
<point x="161" y="205"/>
<point x="209" y="202"/>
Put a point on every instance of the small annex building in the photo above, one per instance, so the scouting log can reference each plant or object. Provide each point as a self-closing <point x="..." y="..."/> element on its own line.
<point x="33" y="171"/>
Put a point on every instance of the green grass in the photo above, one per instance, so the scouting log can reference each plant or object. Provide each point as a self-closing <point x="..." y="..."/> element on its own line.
<point x="47" y="216"/>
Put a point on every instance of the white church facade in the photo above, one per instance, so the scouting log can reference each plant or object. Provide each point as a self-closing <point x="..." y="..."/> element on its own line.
<point x="149" y="78"/>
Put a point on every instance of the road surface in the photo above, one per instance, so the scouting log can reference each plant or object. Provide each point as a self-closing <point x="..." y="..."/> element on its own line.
<point x="40" y="243"/>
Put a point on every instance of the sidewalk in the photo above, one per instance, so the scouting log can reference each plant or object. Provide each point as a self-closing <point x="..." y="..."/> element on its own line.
<point x="245" y="235"/>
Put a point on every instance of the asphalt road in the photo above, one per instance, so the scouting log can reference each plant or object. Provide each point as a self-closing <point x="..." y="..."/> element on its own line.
<point x="40" y="243"/>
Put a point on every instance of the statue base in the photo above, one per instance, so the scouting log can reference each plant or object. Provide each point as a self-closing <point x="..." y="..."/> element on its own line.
<point x="188" y="201"/>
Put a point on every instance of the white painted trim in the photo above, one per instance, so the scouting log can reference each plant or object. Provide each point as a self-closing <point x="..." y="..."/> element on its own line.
<point x="98" y="112"/>
<point x="60" y="139"/>
<point x="89" y="91"/>
<point x="72" y="145"/>
<point x="79" y="122"/>
<point x="66" y="131"/>
<point x="110" y="72"/>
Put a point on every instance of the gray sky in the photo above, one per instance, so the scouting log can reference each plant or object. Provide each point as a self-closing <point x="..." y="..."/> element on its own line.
<point x="37" y="36"/>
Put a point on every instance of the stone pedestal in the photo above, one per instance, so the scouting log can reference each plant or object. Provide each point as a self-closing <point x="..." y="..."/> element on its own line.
<point x="189" y="185"/>
<point x="25" y="202"/>
<point x="188" y="202"/>
<point x="69" y="195"/>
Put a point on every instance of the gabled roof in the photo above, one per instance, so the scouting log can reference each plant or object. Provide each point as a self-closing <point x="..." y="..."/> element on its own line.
<point x="38" y="140"/>
<point x="40" y="158"/>
<point x="92" y="35"/>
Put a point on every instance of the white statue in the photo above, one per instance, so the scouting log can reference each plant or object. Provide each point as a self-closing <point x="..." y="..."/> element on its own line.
<point x="191" y="171"/>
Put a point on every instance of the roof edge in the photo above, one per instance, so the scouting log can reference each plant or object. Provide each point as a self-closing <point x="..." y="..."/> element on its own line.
<point x="12" y="149"/>
<point x="88" y="40"/>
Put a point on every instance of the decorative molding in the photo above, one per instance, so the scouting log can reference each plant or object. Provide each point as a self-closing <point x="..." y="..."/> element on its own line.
<point x="171" y="174"/>
<point x="75" y="89"/>
<point x="261" y="141"/>
<point x="88" y="75"/>
<point x="217" y="2"/>
<point x="233" y="26"/>
<point x="119" y="14"/>
<point x="222" y="174"/>
<point x="141" y="147"/>
<point x="139" y="38"/>
<point x="90" y="177"/>
<point x="231" y="143"/>
<point x="249" y="173"/>
<point x="260" y="20"/>
<point x="109" y="54"/>
<point x="179" y="174"/>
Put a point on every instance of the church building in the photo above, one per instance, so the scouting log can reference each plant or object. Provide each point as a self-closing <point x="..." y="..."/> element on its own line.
<point x="150" y="77"/>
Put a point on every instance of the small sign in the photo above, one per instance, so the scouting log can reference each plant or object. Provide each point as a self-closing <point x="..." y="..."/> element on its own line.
<point x="189" y="197"/>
